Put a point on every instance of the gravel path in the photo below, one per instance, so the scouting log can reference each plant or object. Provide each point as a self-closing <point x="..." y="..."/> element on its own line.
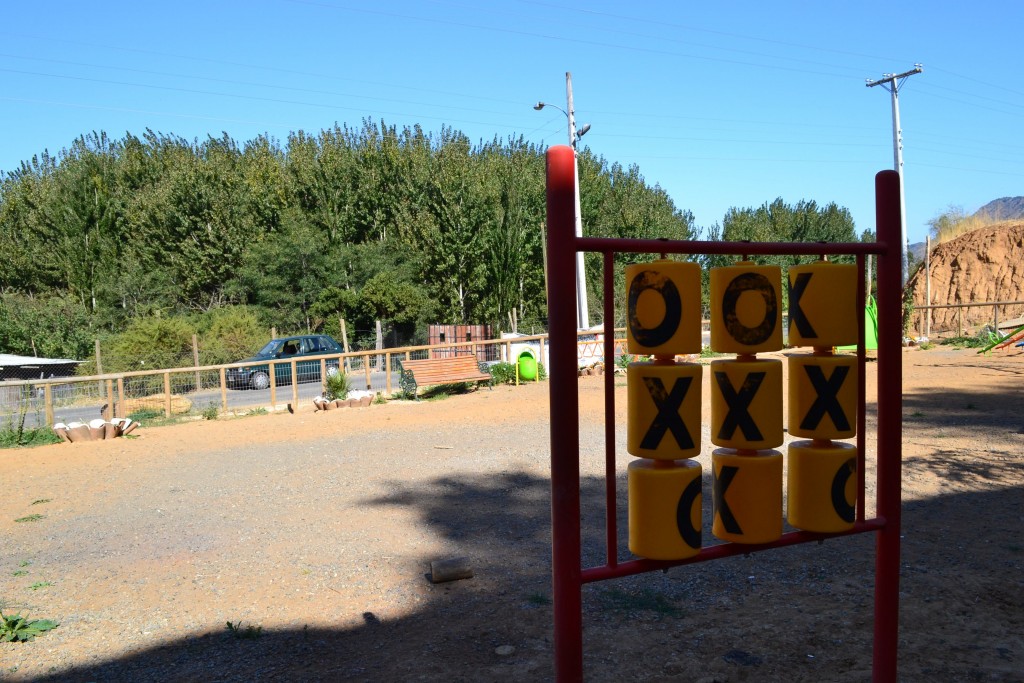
<point x="313" y="533"/>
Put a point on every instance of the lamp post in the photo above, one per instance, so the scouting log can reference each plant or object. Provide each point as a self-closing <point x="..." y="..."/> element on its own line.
<point x="582" y="310"/>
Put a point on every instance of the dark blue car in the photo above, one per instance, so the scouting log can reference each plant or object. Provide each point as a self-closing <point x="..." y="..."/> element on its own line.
<point x="257" y="375"/>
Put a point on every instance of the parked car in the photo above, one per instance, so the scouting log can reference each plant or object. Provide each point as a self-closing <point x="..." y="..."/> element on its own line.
<point x="257" y="376"/>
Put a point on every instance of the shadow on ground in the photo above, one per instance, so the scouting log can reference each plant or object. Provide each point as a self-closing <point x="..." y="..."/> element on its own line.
<point x="797" y="614"/>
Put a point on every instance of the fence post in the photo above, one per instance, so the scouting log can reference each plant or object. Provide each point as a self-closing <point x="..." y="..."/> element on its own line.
<point x="366" y="367"/>
<point x="344" y="342"/>
<point x="99" y="365"/>
<point x="273" y="386"/>
<point x="109" y="412"/>
<point x="119" y="410"/>
<point x="195" y="361"/>
<point x="960" y="321"/>
<point x="167" y="394"/>
<point x="295" y="384"/>
<point x="223" y="390"/>
<point x="48" y="403"/>
<point x="323" y="375"/>
<point x="995" y="315"/>
<point x="387" y="373"/>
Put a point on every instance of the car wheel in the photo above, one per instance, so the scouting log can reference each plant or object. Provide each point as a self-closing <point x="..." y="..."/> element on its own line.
<point x="332" y="370"/>
<point x="260" y="380"/>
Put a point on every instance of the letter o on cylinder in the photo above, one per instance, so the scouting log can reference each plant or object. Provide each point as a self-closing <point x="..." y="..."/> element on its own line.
<point x="823" y="304"/>
<point x="746" y="308"/>
<point x="822" y="485"/>
<point x="663" y="410"/>
<point x="663" y="308"/>
<point x="747" y="496"/>
<point x="664" y="509"/>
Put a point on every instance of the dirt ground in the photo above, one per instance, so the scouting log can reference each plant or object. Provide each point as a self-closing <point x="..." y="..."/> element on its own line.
<point x="312" y="534"/>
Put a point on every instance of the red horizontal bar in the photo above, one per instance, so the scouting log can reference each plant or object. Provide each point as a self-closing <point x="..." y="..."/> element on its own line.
<point x="717" y="552"/>
<point x="610" y="244"/>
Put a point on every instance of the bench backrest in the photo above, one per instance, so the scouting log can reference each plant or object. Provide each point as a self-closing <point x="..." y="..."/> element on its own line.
<point x="456" y="366"/>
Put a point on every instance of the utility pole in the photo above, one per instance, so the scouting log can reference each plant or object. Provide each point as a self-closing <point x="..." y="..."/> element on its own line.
<point x="893" y="83"/>
<point x="582" y="309"/>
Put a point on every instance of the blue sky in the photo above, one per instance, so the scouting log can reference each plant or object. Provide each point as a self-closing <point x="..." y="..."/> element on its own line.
<point x="722" y="104"/>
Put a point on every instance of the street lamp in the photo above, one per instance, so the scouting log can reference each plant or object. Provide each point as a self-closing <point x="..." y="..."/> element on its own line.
<point x="582" y="310"/>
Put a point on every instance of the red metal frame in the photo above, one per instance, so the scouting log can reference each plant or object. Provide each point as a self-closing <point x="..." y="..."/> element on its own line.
<point x="568" y="574"/>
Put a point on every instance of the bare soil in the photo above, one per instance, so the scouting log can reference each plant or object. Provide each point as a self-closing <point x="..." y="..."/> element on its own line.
<point x="313" y="535"/>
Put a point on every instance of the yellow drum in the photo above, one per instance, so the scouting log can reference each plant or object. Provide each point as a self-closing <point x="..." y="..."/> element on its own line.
<point x="664" y="509"/>
<point x="823" y="304"/>
<point x="746" y="403"/>
<point x="746" y="308"/>
<point x="747" y="496"/>
<point x="823" y="397"/>
<point x="663" y="410"/>
<point x="663" y="308"/>
<point x="821" y="486"/>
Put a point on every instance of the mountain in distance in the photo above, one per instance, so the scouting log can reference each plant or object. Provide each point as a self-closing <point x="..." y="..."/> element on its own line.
<point x="1003" y="209"/>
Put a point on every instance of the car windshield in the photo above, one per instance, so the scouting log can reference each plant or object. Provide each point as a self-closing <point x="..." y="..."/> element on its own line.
<point x="272" y="347"/>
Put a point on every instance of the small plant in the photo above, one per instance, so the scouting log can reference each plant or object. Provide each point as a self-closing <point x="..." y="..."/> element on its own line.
<point x="706" y="352"/>
<point x="502" y="373"/>
<point x="379" y="399"/>
<point x="336" y="386"/>
<point x="624" y="360"/>
<point x="643" y="601"/>
<point x="249" y="632"/>
<point x="145" y="414"/>
<point x="19" y="629"/>
<point x="211" y="411"/>
<point x="41" y="501"/>
<point x="260" y="410"/>
<point x="924" y="346"/>
<point x="39" y="584"/>
<point x="31" y="518"/>
<point x="20" y="572"/>
<point x="538" y="599"/>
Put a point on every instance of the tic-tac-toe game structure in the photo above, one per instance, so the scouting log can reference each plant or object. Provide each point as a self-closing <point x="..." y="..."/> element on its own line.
<point x="824" y="487"/>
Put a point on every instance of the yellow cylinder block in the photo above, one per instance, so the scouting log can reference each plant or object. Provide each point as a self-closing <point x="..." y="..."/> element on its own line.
<point x="823" y="304"/>
<point x="663" y="308"/>
<point x="663" y="411"/>
<point x="747" y="496"/>
<point x="746" y="308"/>
<point x="746" y="403"/>
<point x="823" y="396"/>
<point x="664" y="509"/>
<point x="821" y="486"/>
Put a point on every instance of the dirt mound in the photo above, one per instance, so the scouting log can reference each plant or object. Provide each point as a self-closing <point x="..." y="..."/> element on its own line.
<point x="984" y="265"/>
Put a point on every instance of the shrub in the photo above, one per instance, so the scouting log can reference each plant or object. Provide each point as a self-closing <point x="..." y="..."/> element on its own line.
<point x="502" y="373"/>
<point x="337" y="386"/>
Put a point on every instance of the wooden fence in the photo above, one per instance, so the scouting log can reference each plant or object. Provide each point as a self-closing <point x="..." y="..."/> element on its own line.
<point x="175" y="390"/>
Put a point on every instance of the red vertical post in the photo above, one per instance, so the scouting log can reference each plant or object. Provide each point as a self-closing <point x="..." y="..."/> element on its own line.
<point x="890" y="425"/>
<point x="611" y="514"/>
<point x="565" y="439"/>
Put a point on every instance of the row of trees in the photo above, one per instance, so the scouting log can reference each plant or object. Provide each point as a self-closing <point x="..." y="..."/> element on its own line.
<point x="367" y="224"/>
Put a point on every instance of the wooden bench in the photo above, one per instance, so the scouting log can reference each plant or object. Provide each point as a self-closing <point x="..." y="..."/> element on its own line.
<point x="435" y="371"/>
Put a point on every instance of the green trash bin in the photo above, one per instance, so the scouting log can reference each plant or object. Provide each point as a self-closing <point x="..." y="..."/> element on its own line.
<point x="527" y="366"/>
